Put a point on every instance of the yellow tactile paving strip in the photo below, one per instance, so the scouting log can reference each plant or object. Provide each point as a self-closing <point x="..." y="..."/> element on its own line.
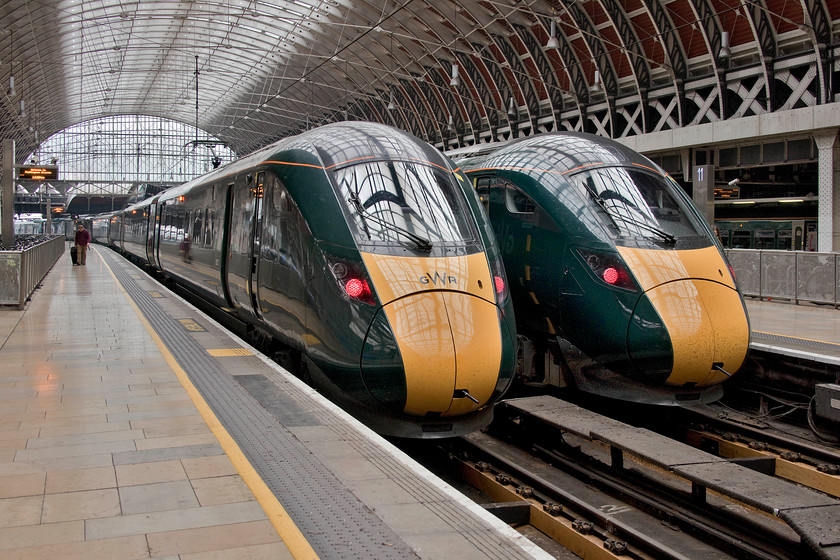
<point x="102" y="452"/>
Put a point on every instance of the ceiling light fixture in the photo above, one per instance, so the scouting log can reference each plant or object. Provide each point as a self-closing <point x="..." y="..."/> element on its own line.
<point x="11" y="91"/>
<point x="725" y="51"/>
<point x="596" y="82"/>
<point x="512" y="112"/>
<point x="391" y="105"/>
<point x="553" y="43"/>
<point x="456" y="80"/>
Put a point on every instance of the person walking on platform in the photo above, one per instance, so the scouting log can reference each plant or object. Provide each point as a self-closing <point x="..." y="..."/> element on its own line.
<point x="82" y="242"/>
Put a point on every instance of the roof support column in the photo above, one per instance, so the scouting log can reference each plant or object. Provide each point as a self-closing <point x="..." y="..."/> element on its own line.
<point x="7" y="204"/>
<point x="828" y="186"/>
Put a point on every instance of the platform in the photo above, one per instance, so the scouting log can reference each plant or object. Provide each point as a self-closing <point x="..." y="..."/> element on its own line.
<point x="806" y="331"/>
<point x="133" y="426"/>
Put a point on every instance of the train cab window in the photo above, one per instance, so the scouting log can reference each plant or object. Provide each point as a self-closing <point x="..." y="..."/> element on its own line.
<point x="741" y="239"/>
<point x="399" y="202"/>
<point x="640" y="204"/>
<point x="518" y="202"/>
<point x="281" y="202"/>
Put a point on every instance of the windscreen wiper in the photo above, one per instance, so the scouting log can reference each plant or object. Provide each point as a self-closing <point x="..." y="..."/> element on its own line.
<point x="600" y="201"/>
<point x="669" y="238"/>
<point x="421" y="243"/>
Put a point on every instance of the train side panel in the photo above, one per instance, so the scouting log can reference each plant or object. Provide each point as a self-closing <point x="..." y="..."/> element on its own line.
<point x="191" y="244"/>
<point x="135" y="222"/>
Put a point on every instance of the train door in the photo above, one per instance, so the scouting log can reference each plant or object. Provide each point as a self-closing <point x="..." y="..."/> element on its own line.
<point x="241" y="266"/>
<point x="258" y="192"/>
<point x="153" y="232"/>
<point x="225" y="247"/>
<point x="798" y="235"/>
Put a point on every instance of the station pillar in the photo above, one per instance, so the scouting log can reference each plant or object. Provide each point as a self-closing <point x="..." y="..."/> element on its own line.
<point x="703" y="188"/>
<point x="7" y="202"/>
<point x="828" y="187"/>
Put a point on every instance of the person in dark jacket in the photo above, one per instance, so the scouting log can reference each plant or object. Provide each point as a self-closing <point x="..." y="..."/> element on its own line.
<point x="82" y="242"/>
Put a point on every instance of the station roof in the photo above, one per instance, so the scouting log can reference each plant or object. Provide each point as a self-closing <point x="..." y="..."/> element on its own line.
<point x="264" y="70"/>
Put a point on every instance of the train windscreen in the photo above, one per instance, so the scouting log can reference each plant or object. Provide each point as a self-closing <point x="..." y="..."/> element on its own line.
<point x="398" y="202"/>
<point x="640" y="204"/>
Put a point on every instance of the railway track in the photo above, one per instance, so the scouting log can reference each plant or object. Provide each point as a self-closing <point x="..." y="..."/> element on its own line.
<point x="604" y="489"/>
<point x="740" y="438"/>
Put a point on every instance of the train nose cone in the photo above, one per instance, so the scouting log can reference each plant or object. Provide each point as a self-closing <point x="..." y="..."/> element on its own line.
<point x="450" y="345"/>
<point x="696" y="325"/>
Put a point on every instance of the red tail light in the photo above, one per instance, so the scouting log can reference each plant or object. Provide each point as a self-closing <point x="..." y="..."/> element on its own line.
<point x="610" y="269"/>
<point x="611" y="276"/>
<point x="498" y="272"/>
<point x="351" y="278"/>
<point x="357" y="288"/>
<point x="500" y="284"/>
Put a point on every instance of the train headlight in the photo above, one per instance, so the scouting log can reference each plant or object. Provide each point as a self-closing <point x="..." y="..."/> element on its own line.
<point x="610" y="269"/>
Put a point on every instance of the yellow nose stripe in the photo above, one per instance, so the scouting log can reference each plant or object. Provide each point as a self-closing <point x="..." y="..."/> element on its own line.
<point x="707" y="325"/>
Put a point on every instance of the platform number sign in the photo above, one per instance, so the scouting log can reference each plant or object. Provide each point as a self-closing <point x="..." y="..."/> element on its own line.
<point x="703" y="186"/>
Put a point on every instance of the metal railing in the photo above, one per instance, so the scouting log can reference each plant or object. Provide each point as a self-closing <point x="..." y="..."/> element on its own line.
<point x="22" y="271"/>
<point x="791" y="275"/>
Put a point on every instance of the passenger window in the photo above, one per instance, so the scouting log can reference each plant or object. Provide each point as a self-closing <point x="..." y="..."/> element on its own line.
<point x="764" y="239"/>
<point x="518" y="202"/>
<point x="741" y="239"/>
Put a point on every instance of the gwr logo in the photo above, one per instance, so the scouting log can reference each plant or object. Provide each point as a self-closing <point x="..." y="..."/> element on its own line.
<point x="438" y="279"/>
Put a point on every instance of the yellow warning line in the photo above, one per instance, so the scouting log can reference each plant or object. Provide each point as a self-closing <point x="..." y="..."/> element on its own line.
<point x="226" y="352"/>
<point x="798" y="338"/>
<point x="286" y="528"/>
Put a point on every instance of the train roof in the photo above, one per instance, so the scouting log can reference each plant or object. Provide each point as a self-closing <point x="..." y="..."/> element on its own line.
<point x="332" y="146"/>
<point x="352" y="142"/>
<point x="561" y="151"/>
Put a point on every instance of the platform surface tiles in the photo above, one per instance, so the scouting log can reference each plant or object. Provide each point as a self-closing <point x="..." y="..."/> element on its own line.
<point x="133" y="426"/>
<point x="806" y="331"/>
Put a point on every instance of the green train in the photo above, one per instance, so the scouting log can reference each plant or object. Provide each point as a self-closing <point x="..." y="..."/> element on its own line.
<point x="783" y="234"/>
<point x="363" y="251"/>
<point x="619" y="285"/>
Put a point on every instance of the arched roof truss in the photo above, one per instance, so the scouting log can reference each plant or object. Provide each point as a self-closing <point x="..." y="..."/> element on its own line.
<point x="265" y="70"/>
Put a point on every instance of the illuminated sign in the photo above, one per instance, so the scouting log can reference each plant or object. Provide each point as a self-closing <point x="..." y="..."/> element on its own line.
<point x="726" y="193"/>
<point x="37" y="172"/>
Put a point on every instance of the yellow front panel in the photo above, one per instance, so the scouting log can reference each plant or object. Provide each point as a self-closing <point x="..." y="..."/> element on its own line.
<point x="478" y="348"/>
<point x="681" y="308"/>
<point x="652" y="267"/>
<point x="395" y="277"/>
<point x="443" y="315"/>
<point x="730" y="326"/>
<point x="421" y="328"/>
<point x="707" y="324"/>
